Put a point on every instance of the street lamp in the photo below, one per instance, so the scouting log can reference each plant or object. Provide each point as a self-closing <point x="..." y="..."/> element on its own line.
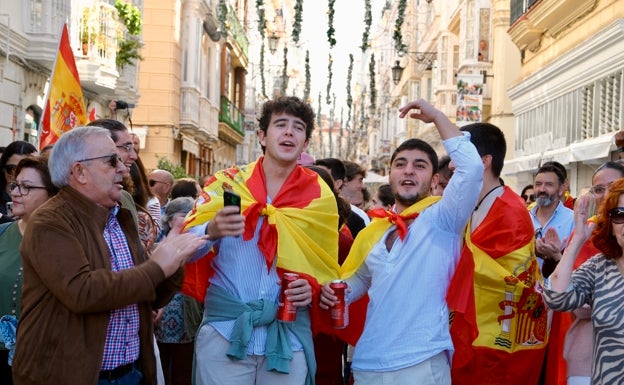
<point x="419" y="57"/>
<point x="273" y="41"/>
<point x="397" y="72"/>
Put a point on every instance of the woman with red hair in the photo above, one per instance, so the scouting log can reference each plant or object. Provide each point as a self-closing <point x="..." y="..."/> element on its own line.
<point x="599" y="282"/>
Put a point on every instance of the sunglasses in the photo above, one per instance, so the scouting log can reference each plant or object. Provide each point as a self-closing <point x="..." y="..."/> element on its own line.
<point x="530" y="197"/>
<point x="10" y="168"/>
<point x="617" y="215"/>
<point x="153" y="182"/>
<point x="113" y="159"/>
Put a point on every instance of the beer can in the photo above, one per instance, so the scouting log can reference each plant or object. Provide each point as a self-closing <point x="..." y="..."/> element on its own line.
<point x="340" y="311"/>
<point x="286" y="311"/>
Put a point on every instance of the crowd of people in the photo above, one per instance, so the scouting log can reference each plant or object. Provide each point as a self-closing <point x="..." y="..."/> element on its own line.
<point x="114" y="274"/>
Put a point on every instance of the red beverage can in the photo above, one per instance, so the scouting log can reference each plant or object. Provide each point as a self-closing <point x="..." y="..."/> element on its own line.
<point x="340" y="311"/>
<point x="286" y="311"/>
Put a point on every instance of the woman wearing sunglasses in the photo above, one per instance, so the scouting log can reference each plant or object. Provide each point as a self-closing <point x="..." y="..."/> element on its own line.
<point x="31" y="188"/>
<point x="11" y="156"/>
<point x="599" y="282"/>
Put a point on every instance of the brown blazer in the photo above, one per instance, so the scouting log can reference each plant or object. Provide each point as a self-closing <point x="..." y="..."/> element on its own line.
<point x="69" y="290"/>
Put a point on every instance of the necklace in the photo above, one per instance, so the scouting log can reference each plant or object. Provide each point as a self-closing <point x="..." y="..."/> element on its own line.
<point x="485" y="196"/>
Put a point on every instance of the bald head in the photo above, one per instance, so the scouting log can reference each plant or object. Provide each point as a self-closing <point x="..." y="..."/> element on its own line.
<point x="160" y="183"/>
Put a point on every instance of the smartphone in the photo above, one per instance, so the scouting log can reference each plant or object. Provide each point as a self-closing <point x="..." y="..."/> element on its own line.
<point x="230" y="198"/>
<point x="9" y="209"/>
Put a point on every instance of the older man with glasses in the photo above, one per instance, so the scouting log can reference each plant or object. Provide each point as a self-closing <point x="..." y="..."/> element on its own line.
<point x="127" y="155"/>
<point x="89" y="288"/>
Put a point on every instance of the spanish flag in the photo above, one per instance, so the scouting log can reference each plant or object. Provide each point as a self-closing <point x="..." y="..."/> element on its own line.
<point x="499" y="320"/>
<point x="64" y="106"/>
<point x="300" y="225"/>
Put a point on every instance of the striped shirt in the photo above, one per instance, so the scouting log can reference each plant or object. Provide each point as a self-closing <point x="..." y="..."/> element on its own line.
<point x="122" y="334"/>
<point x="240" y="268"/>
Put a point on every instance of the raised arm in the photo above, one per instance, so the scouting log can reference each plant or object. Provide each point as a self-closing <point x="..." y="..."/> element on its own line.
<point x="429" y="114"/>
<point x="561" y="278"/>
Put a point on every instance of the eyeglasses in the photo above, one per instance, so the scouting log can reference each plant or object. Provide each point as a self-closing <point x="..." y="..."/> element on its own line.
<point x="599" y="189"/>
<point x="112" y="159"/>
<point x="153" y="182"/>
<point x="617" y="215"/>
<point x="22" y="189"/>
<point x="10" y="168"/>
<point x="127" y="147"/>
<point x="530" y="197"/>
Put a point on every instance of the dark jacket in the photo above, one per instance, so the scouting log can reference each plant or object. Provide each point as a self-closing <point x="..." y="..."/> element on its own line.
<point x="69" y="290"/>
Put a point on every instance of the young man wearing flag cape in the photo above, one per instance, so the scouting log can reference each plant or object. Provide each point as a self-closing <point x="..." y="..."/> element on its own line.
<point x="404" y="260"/>
<point x="288" y="223"/>
<point x="499" y="323"/>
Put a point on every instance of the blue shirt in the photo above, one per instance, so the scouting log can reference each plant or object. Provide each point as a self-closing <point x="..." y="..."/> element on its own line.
<point x="407" y="320"/>
<point x="240" y="268"/>
<point x="561" y="220"/>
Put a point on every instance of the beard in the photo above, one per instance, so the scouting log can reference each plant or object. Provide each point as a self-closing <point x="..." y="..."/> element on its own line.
<point x="407" y="200"/>
<point x="545" y="200"/>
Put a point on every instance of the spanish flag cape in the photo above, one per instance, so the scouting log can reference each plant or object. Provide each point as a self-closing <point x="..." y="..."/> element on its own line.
<point x="362" y="245"/>
<point x="300" y="226"/>
<point x="499" y="321"/>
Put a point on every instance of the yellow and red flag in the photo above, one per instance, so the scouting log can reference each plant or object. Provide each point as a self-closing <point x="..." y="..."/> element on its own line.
<point x="300" y="225"/>
<point x="499" y="321"/>
<point x="64" y="106"/>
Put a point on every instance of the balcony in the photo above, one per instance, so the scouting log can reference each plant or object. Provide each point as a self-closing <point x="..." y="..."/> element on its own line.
<point x="95" y="30"/>
<point x="197" y="116"/>
<point x="232" y="117"/>
<point x="236" y="33"/>
<point x="531" y="18"/>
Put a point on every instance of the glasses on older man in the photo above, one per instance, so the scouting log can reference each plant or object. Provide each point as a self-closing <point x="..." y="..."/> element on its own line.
<point x="153" y="182"/>
<point x="617" y="215"/>
<point x="23" y="189"/>
<point x="112" y="159"/>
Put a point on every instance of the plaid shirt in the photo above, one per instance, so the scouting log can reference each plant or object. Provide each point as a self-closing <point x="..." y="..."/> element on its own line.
<point x="122" y="334"/>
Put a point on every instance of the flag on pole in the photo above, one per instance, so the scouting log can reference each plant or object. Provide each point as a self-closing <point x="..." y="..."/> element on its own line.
<point x="64" y="106"/>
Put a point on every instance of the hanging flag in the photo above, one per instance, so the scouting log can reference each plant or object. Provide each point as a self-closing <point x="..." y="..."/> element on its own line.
<point x="64" y="106"/>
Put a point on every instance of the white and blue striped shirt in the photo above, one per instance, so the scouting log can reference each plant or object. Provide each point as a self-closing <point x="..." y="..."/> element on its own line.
<point x="240" y="268"/>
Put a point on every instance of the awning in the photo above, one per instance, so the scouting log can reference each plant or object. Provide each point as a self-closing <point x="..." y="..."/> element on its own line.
<point x="522" y="163"/>
<point x="562" y="155"/>
<point x="592" y="149"/>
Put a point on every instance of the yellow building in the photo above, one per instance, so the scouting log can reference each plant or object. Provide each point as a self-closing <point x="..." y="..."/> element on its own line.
<point x="567" y="96"/>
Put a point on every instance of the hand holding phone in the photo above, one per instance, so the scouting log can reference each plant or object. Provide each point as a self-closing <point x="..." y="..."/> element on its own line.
<point x="230" y="198"/>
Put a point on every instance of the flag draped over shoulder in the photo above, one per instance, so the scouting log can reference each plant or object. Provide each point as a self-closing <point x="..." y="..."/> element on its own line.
<point x="362" y="245"/>
<point x="64" y="106"/>
<point x="300" y="225"/>
<point x="499" y="321"/>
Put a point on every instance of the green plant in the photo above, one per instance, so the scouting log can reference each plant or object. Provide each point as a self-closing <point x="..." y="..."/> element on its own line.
<point x="297" y="24"/>
<point x="399" y="46"/>
<point x="368" y="18"/>
<point x="331" y="38"/>
<point x="176" y="170"/>
<point x="129" y="47"/>
<point x="306" y="89"/>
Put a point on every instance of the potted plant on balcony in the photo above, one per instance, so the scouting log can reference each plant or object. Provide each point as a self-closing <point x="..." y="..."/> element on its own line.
<point x="129" y="44"/>
<point x="88" y="31"/>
